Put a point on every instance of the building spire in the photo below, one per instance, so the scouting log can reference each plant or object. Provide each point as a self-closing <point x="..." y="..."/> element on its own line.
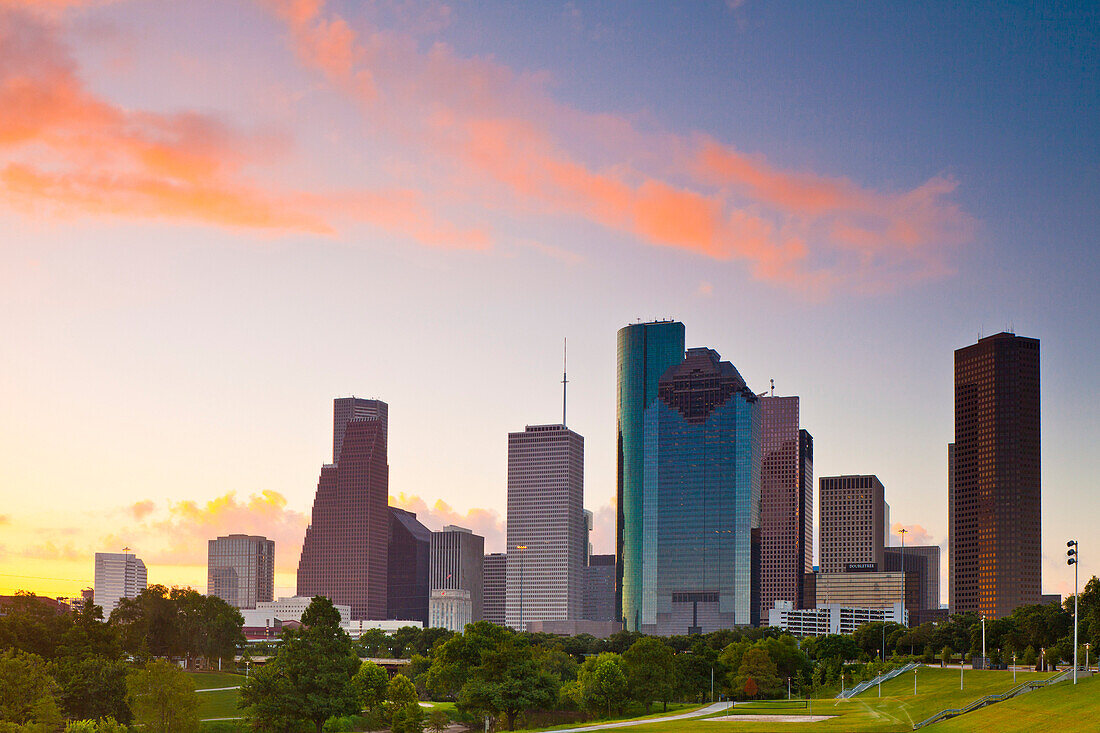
<point x="564" y="380"/>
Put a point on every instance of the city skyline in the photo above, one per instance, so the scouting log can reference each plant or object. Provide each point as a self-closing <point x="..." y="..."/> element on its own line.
<point x="770" y="158"/>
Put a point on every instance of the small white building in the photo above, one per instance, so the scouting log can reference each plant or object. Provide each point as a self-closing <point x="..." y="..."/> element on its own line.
<point x="830" y="618"/>
<point x="267" y="619"/>
<point x="118" y="575"/>
<point x="450" y="608"/>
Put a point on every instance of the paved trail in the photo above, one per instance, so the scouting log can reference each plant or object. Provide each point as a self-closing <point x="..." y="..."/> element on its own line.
<point x="710" y="709"/>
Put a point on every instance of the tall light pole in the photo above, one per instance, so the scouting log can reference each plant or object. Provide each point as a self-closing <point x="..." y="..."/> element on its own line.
<point x="1086" y="656"/>
<point x="984" y="661"/>
<point x="1072" y="560"/>
<point x="902" y="532"/>
<point x="1013" y="667"/>
<point x="521" y="549"/>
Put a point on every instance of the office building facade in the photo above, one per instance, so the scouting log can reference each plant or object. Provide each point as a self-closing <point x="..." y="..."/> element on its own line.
<point x="854" y="524"/>
<point x="545" y="525"/>
<point x="924" y="560"/>
<point x="457" y="562"/>
<point x="700" y="499"/>
<point x="240" y="569"/>
<point x="346" y="409"/>
<point x="344" y="555"/>
<point x="864" y="589"/>
<point x="599" y="589"/>
<point x="408" y="568"/>
<point x="494" y="584"/>
<point x="118" y="575"/>
<point x="645" y="351"/>
<point x="786" y="503"/>
<point x="995" y="486"/>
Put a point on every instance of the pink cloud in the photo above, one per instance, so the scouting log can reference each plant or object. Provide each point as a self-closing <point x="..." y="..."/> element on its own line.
<point x="506" y="134"/>
<point x="486" y="522"/>
<point x="915" y="535"/>
<point x="142" y="509"/>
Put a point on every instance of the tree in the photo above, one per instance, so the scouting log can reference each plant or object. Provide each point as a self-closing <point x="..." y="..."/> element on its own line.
<point x="310" y="677"/>
<point x="438" y="721"/>
<point x="650" y="671"/>
<point x="91" y="688"/>
<point x="750" y="689"/>
<point x="604" y="682"/>
<point x="406" y="715"/>
<point x="757" y="665"/>
<point x="147" y="622"/>
<point x="27" y="692"/>
<point x="103" y="725"/>
<point x="370" y="684"/>
<point x="90" y="635"/>
<point x="525" y="687"/>
<point x="946" y="658"/>
<point x="162" y="698"/>
<point x="33" y="625"/>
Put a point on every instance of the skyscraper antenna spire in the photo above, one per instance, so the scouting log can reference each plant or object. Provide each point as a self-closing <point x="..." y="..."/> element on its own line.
<point x="564" y="380"/>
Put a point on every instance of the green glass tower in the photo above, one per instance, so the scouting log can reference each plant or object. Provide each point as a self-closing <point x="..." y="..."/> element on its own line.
<point x="645" y="352"/>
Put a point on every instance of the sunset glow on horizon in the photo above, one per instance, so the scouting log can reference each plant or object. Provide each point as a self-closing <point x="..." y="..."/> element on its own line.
<point x="217" y="216"/>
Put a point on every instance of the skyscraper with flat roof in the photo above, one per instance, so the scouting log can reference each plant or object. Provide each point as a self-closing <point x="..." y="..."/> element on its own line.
<point x="546" y="534"/>
<point x="344" y="555"/>
<point x="495" y="584"/>
<point x="346" y="409"/>
<point x="118" y="575"/>
<point x="458" y="559"/>
<point x="853" y="524"/>
<point x="995" y="486"/>
<point x="786" y="503"/>
<point x="240" y="569"/>
<point x="700" y="499"/>
<point x="645" y="352"/>
<point x="408" y="568"/>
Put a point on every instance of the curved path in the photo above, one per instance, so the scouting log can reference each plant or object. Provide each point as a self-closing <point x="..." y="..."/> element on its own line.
<point x="709" y="710"/>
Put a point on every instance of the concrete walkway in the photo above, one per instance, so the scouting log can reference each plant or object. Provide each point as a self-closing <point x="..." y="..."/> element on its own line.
<point x="709" y="710"/>
<point x="219" y="689"/>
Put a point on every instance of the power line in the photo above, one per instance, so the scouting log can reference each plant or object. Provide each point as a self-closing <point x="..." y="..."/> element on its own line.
<point x="42" y="577"/>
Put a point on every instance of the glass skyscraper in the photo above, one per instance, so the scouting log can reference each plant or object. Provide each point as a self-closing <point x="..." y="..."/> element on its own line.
<point x="241" y="569"/>
<point x="700" y="499"/>
<point x="645" y="352"/>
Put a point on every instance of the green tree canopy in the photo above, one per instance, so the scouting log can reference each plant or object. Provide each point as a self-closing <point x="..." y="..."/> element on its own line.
<point x="92" y="687"/>
<point x="650" y="671"/>
<point x="162" y="698"/>
<point x="758" y="666"/>
<point x="604" y="682"/>
<point x="27" y="692"/>
<point x="309" y="678"/>
<point x="370" y="684"/>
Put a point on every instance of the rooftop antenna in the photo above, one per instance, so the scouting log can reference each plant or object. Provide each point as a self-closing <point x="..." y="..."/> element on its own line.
<point x="564" y="380"/>
<point x="773" y="388"/>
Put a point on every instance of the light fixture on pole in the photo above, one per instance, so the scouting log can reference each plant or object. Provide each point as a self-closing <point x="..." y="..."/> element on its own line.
<point x="1072" y="560"/>
<point x="986" y="666"/>
<point x="521" y="548"/>
<point x="1013" y="667"/>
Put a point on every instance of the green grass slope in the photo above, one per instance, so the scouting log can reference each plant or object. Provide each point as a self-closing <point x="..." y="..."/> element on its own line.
<point x="220" y="704"/>
<point x="1061" y="707"/>
<point x="897" y="710"/>
<point x="211" y="680"/>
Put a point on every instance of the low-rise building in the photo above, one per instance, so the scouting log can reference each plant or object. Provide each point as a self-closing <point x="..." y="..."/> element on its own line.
<point x="450" y="608"/>
<point x="831" y="618"/>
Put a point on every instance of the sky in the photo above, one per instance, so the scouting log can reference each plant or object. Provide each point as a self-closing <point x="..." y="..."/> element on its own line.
<point x="216" y="216"/>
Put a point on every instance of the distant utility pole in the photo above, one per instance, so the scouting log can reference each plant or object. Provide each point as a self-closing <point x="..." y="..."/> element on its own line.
<point x="1072" y="552"/>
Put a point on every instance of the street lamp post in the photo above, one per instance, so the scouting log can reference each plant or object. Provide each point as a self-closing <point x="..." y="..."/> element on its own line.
<point x="521" y="549"/>
<point x="914" y="680"/>
<point x="1072" y="560"/>
<point x="788" y="689"/>
<point x="962" y="664"/>
<point x="1013" y="667"/>
<point x="1087" y="656"/>
<point x="983" y="643"/>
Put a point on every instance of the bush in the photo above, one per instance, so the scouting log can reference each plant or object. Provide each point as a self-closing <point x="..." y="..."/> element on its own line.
<point x="103" y="725"/>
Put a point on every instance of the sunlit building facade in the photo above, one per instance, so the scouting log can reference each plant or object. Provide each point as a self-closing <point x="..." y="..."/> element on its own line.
<point x="344" y="555"/>
<point x="118" y="575"/>
<point x="240" y="569"/>
<point x="995" y="482"/>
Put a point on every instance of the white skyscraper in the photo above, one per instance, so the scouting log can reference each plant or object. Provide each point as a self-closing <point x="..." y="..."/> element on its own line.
<point x="546" y="525"/>
<point x="117" y="575"/>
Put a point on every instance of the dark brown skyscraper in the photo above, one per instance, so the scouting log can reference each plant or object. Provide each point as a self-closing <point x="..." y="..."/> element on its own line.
<point x="786" y="504"/>
<point x="995" y="487"/>
<point x="347" y="540"/>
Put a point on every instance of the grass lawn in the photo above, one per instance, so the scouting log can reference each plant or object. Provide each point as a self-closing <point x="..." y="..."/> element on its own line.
<point x="674" y="708"/>
<point x="1062" y="707"/>
<point x="896" y="710"/>
<point x="220" y="704"/>
<point x="209" y="680"/>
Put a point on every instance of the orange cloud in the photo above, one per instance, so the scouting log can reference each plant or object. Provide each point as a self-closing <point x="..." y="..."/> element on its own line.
<point x="67" y="151"/>
<point x="4" y="519"/>
<point x="803" y="230"/>
<point x="486" y="522"/>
